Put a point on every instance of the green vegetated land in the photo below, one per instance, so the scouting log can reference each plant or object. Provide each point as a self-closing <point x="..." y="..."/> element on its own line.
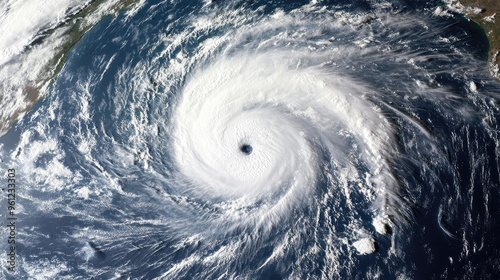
<point x="77" y="28"/>
<point x="489" y="8"/>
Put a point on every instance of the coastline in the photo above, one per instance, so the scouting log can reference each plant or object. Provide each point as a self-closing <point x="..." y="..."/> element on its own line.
<point x="20" y="96"/>
<point x="486" y="13"/>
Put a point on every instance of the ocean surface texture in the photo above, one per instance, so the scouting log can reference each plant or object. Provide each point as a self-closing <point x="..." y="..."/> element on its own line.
<point x="262" y="140"/>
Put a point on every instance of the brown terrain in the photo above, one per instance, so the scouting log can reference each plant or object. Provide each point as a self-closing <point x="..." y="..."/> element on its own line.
<point x="492" y="28"/>
<point x="77" y="29"/>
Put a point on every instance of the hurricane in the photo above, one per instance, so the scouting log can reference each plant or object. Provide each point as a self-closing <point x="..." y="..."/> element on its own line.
<point x="264" y="140"/>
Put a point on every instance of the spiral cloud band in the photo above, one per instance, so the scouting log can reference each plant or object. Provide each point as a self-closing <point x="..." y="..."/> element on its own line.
<point x="296" y="119"/>
<point x="257" y="139"/>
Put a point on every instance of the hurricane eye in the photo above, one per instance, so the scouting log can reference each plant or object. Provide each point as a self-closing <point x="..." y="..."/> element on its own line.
<point x="246" y="149"/>
<point x="250" y="139"/>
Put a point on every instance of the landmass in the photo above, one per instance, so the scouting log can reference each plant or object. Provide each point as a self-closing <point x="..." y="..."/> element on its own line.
<point x="22" y="98"/>
<point x="79" y="27"/>
<point x="486" y="13"/>
<point x="19" y="98"/>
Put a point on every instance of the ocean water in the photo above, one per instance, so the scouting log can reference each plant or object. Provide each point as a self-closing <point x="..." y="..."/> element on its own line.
<point x="367" y="122"/>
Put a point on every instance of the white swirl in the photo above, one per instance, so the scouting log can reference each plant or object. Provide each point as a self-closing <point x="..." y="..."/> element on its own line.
<point x="253" y="129"/>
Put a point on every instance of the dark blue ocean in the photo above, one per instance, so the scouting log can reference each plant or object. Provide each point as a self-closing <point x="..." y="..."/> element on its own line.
<point x="368" y="121"/>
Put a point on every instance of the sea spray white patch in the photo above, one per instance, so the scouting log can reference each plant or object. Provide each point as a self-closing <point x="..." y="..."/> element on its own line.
<point x="260" y="140"/>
